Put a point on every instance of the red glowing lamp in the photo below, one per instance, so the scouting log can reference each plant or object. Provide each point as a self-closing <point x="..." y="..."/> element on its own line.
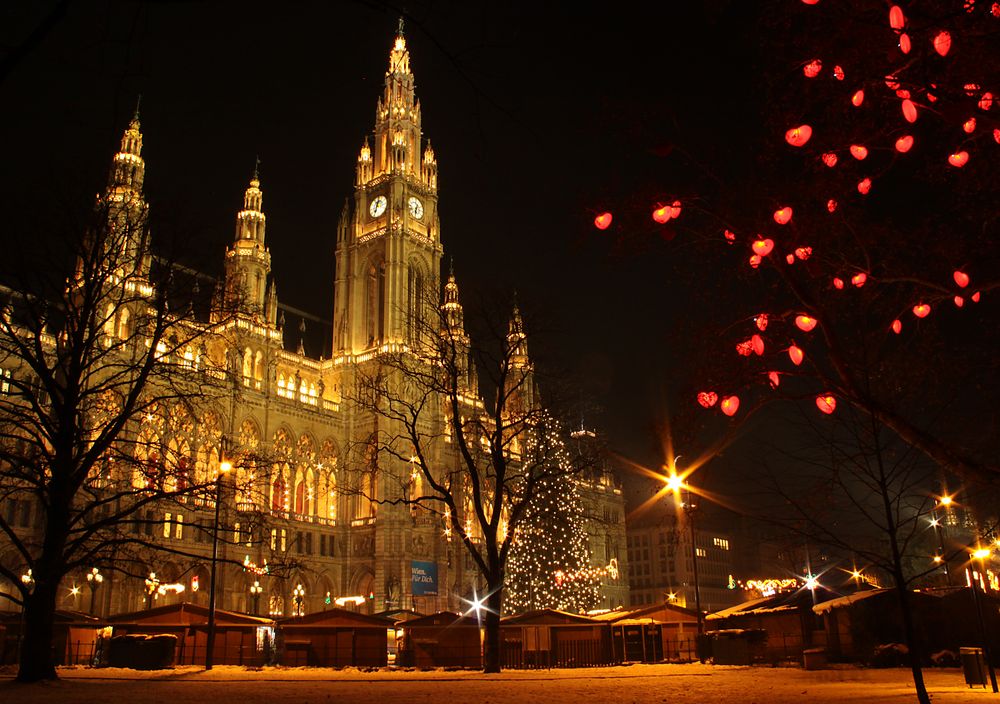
<point x="761" y="322"/>
<point x="757" y="343"/>
<point x="755" y="260"/>
<point x="783" y="216"/>
<point x="775" y="379"/>
<point x="729" y="235"/>
<point x="975" y="297"/>
<point x="864" y="186"/>
<point x="961" y="278"/>
<point x="743" y="349"/>
<point x="796" y="354"/>
<point x="661" y="214"/>
<point x="897" y="326"/>
<point x="859" y="152"/>
<point x="838" y="73"/>
<point x="942" y="42"/>
<point x="826" y="403"/>
<point x="762" y="247"/>
<point x="959" y="301"/>
<point x="859" y="279"/>
<point x="730" y="404"/>
<point x="830" y="159"/>
<point x="838" y="283"/>
<point x="904" y="144"/>
<point x="969" y="126"/>
<point x="790" y="259"/>
<point x="798" y="136"/>
<point x="707" y="399"/>
<point x="904" y="43"/>
<point x="897" y="20"/>
<point x="675" y="209"/>
<point x="812" y="69"/>
<point x="959" y="159"/>
<point x="805" y="323"/>
<point x="831" y="205"/>
<point x="921" y="310"/>
<point x="909" y="110"/>
<point x="858" y="98"/>
<point x="603" y="221"/>
<point x="986" y="101"/>
<point x="803" y="253"/>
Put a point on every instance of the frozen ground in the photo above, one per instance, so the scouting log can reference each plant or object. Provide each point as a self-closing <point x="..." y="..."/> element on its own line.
<point x="640" y="684"/>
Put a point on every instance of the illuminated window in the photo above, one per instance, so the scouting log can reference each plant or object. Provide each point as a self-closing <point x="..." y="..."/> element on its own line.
<point x="720" y="543"/>
<point x="700" y="552"/>
<point x="178" y="526"/>
<point x="4" y="381"/>
<point x="166" y="524"/>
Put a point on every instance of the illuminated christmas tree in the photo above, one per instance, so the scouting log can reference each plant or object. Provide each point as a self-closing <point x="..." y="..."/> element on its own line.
<point x="549" y="564"/>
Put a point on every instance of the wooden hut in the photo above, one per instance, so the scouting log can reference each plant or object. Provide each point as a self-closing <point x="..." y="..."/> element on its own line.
<point x="444" y="639"/>
<point x="239" y="639"/>
<point x="74" y="635"/>
<point x="335" y="638"/>
<point x="551" y="638"/>
<point x="652" y="633"/>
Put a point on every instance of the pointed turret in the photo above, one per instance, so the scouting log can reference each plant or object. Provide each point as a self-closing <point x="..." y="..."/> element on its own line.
<point x="124" y="207"/>
<point x="519" y="383"/>
<point x="248" y="261"/>
<point x="517" y="341"/>
<point x="457" y="342"/>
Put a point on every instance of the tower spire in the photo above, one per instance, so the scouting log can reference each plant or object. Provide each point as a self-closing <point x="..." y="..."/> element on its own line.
<point x="248" y="261"/>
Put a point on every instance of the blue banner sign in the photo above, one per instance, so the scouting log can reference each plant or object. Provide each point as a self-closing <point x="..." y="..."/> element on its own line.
<point x="424" y="577"/>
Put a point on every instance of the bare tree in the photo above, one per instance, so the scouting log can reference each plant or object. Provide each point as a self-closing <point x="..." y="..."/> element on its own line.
<point x="475" y="459"/>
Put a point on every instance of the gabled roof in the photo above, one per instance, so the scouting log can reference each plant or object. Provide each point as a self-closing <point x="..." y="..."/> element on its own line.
<point x="654" y="613"/>
<point x="546" y="617"/>
<point x="60" y="616"/>
<point x="401" y="614"/>
<point x="188" y="614"/>
<point x="336" y="618"/>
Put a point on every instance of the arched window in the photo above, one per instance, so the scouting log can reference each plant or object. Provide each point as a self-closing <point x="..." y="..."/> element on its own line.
<point x="414" y="302"/>
<point x="375" y="302"/>
<point x="258" y="370"/>
<point x="247" y="366"/>
<point x="278" y="493"/>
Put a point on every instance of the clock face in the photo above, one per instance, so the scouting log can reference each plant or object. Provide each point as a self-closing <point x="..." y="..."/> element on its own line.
<point x="416" y="207"/>
<point x="377" y="206"/>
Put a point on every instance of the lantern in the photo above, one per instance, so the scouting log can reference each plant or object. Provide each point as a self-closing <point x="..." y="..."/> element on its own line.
<point x="757" y="343"/>
<point x="858" y="98"/>
<point x="975" y="297"/>
<point x="761" y="322"/>
<point x="904" y="144"/>
<point x="812" y="69"/>
<point x="826" y="403"/>
<point x="803" y="253"/>
<point x="831" y="205"/>
<point x="942" y="42"/>
<point x="904" y="43"/>
<point x="805" y="323"/>
<point x="896" y="18"/>
<point x="661" y="214"/>
<point x="755" y="260"/>
<point x="921" y="310"/>
<point x="838" y="73"/>
<point x="969" y="126"/>
<point x="782" y="216"/>
<point x="958" y="159"/>
<point x="774" y="378"/>
<point x="838" y="283"/>
<point x="902" y="94"/>
<point x="859" y="279"/>
<point x="789" y="259"/>
<point x="864" y="185"/>
<point x="796" y="355"/>
<point x="961" y="278"/>
<point x="986" y="101"/>
<point x="707" y="398"/>
<point x="798" y="136"/>
<point x="897" y="326"/>
<point x="603" y="221"/>
<point x="743" y="349"/>
<point x="909" y="110"/>
<point x="830" y="159"/>
<point x="762" y="247"/>
<point x="959" y="301"/>
<point x="730" y="404"/>
<point x="859" y="152"/>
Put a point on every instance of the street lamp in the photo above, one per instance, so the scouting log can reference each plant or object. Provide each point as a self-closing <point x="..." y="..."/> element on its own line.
<point x="152" y="584"/>
<point x="944" y="501"/>
<point x="94" y="580"/>
<point x="980" y="555"/>
<point x="298" y="597"/>
<point x="255" y="591"/>
<point x="225" y="466"/>
<point x="689" y="509"/>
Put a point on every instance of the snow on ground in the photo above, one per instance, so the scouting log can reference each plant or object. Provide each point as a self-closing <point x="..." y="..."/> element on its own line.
<point x="636" y="684"/>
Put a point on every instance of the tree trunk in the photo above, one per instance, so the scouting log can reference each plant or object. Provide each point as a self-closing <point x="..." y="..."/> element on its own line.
<point x="492" y="659"/>
<point x="912" y="642"/>
<point x="37" y="644"/>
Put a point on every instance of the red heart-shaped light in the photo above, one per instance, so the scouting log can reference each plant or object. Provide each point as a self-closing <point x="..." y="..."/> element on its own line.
<point x="838" y="72"/>
<point x="826" y="403"/>
<point x="942" y="42"/>
<point x="789" y="259"/>
<point x="675" y="209"/>
<point x="830" y="159"/>
<point x="961" y="278"/>
<point x="730" y="236"/>
<point x="755" y="261"/>
<point x="958" y="159"/>
<point x="959" y="301"/>
<point x="803" y="253"/>
<point x="975" y="297"/>
<point x="969" y="126"/>
<point x="864" y="185"/>
<point x="761" y="322"/>
<point x="859" y="279"/>
<point x="796" y="355"/>
<point x="783" y="216"/>
<point x="603" y="221"/>
<point x="707" y="398"/>
<point x="909" y="110"/>
<point x="904" y="43"/>
<point x="812" y="69"/>
<point x="897" y="326"/>
<point x="921" y="310"/>
<point x="805" y="323"/>
<point x="762" y="247"/>
<point x="904" y="143"/>
<point x="757" y="342"/>
<point x="661" y="214"/>
<point x="858" y="98"/>
<point x="838" y="283"/>
<point x="897" y="19"/>
<point x="730" y="404"/>
<point x="774" y="378"/>
<point x="798" y="136"/>
<point x="986" y="101"/>
<point x="859" y="152"/>
<point x="831" y="206"/>
<point x="744" y="348"/>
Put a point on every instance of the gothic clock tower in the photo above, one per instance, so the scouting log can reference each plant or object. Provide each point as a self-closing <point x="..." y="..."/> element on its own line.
<point x="388" y="240"/>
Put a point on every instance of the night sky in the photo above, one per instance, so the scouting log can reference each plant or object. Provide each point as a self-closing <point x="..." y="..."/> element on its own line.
<point x="540" y="117"/>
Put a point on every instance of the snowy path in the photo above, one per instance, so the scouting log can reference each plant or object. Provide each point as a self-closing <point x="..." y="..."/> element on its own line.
<point x="641" y="684"/>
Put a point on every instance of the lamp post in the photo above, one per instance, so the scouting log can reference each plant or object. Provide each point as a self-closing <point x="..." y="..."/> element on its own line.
<point x="298" y="597"/>
<point x="980" y="555"/>
<point x="94" y="580"/>
<point x="689" y="509"/>
<point x="224" y="468"/>
<point x="944" y="502"/>
<point x="255" y="591"/>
